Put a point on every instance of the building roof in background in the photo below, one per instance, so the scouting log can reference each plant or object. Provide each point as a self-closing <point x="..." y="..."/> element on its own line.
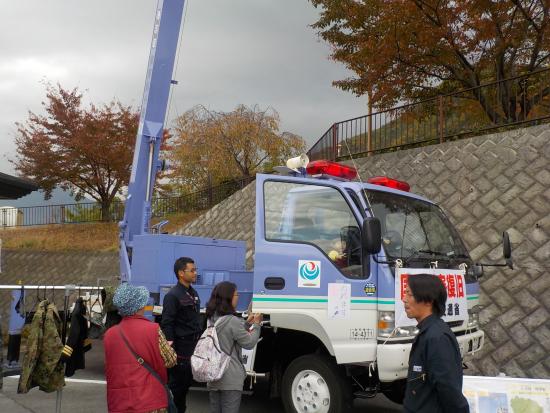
<point x="12" y="187"/>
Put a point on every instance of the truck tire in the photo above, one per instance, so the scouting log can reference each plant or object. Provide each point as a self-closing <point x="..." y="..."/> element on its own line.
<point x="315" y="384"/>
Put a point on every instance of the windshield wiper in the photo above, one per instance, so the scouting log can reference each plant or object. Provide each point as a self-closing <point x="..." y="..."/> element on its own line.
<point x="461" y="256"/>
<point x="443" y="254"/>
<point x="435" y="254"/>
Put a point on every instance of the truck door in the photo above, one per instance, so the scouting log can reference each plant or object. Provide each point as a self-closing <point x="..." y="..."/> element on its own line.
<point x="308" y="273"/>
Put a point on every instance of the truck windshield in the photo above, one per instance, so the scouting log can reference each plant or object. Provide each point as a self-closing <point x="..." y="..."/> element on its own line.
<point x="415" y="229"/>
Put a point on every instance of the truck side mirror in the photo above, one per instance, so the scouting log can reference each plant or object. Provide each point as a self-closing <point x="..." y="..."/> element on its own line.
<point x="371" y="235"/>
<point x="506" y="251"/>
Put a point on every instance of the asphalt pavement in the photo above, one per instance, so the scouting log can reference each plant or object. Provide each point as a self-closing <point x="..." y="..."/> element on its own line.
<point x="85" y="392"/>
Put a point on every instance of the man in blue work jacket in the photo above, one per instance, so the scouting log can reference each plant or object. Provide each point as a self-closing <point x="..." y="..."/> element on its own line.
<point x="182" y="325"/>
<point x="434" y="381"/>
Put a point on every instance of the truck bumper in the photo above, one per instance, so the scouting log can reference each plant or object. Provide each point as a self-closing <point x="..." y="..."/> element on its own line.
<point x="393" y="357"/>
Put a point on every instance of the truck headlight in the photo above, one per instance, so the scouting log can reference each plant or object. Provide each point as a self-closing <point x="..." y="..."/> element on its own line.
<point x="473" y="317"/>
<point x="386" y="326"/>
<point x="386" y="323"/>
<point x="406" y="331"/>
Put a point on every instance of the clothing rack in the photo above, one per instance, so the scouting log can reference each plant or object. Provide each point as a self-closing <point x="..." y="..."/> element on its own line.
<point x="68" y="289"/>
<point x="48" y="287"/>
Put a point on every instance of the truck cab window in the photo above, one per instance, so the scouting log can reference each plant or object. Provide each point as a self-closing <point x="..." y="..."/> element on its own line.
<point x="317" y="215"/>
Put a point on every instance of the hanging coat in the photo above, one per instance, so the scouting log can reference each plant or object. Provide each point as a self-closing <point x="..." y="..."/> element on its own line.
<point x="1" y="354"/>
<point x="77" y="341"/>
<point x="42" y="365"/>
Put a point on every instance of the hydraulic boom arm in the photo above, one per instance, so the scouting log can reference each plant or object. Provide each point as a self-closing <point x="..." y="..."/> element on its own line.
<point x="137" y="212"/>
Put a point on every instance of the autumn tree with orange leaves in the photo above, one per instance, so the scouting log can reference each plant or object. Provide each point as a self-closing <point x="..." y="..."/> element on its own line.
<point x="405" y="50"/>
<point x="85" y="150"/>
<point x="209" y="147"/>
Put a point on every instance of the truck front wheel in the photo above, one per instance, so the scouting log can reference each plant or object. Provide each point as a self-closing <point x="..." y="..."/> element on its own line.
<point x="315" y="384"/>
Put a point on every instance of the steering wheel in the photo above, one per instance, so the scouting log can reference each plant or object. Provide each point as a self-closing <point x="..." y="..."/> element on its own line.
<point x="392" y="242"/>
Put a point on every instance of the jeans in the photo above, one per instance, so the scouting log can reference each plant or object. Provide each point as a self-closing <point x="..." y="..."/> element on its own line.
<point x="225" y="401"/>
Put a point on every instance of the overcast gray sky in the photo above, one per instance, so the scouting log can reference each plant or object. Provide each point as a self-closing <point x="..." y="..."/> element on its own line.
<point x="232" y="51"/>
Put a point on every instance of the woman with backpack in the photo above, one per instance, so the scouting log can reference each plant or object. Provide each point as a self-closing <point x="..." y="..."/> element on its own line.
<point x="234" y="334"/>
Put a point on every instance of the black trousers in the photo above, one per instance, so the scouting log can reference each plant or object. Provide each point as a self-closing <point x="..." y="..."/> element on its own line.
<point x="180" y="378"/>
<point x="14" y="344"/>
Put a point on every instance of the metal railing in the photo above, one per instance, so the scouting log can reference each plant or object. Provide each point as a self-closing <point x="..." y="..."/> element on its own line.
<point x="198" y="201"/>
<point x="501" y="105"/>
<point x="92" y="212"/>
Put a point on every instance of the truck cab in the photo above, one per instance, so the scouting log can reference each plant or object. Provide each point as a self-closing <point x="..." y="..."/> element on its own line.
<point x="335" y="314"/>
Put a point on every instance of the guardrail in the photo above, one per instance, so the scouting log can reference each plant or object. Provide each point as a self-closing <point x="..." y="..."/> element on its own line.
<point x="501" y="105"/>
<point x="92" y="212"/>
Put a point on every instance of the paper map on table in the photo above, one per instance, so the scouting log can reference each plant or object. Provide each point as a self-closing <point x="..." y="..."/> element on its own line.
<point x="507" y="395"/>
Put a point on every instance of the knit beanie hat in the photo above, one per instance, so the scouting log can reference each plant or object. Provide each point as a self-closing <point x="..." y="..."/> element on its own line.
<point x="129" y="299"/>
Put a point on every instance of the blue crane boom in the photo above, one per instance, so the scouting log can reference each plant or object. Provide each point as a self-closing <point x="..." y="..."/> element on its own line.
<point x="146" y="257"/>
<point x="137" y="212"/>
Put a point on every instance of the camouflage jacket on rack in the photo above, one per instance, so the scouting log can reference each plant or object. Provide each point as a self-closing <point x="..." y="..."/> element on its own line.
<point x="42" y="365"/>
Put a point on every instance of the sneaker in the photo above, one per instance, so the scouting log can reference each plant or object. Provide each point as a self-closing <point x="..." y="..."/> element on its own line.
<point x="12" y="365"/>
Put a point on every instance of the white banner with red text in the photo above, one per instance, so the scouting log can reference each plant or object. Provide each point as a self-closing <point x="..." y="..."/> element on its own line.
<point x="456" y="307"/>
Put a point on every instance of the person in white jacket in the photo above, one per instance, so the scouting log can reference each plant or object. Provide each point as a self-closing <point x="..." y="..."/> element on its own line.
<point x="234" y="334"/>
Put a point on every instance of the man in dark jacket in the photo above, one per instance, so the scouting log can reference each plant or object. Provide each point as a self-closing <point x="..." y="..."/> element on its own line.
<point x="434" y="381"/>
<point x="182" y="326"/>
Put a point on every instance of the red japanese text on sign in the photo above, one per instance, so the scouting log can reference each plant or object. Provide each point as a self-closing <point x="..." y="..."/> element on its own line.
<point x="404" y="283"/>
<point x="443" y="280"/>
<point x="459" y="287"/>
<point x="453" y="283"/>
<point x="451" y="286"/>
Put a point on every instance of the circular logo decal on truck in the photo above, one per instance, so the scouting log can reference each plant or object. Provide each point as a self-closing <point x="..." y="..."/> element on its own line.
<point x="309" y="274"/>
<point x="370" y="289"/>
